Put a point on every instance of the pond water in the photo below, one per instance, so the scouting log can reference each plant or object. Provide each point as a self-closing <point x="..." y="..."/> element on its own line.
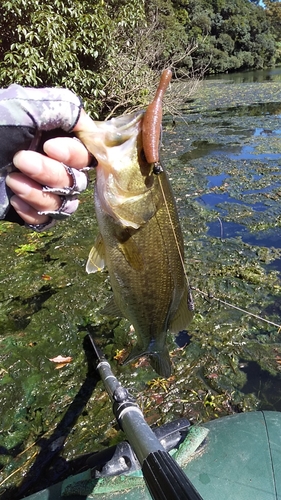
<point x="255" y="76"/>
<point x="223" y="155"/>
<point x="236" y="149"/>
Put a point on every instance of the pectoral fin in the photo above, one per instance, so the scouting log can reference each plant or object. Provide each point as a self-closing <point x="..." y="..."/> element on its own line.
<point x="132" y="254"/>
<point x="96" y="259"/>
<point x="133" y="211"/>
<point x="183" y="315"/>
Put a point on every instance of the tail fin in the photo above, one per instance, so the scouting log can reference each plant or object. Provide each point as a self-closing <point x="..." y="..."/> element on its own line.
<point x="159" y="360"/>
<point x="161" y="363"/>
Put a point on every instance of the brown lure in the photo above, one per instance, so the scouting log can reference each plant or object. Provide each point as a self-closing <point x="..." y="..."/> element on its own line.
<point x="151" y="127"/>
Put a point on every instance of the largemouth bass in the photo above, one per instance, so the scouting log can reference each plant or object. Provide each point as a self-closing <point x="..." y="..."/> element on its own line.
<point x="140" y="238"/>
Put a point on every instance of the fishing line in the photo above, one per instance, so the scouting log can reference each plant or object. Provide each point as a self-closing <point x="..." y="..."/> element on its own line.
<point x="189" y="299"/>
<point x="236" y="307"/>
<point x="221" y="227"/>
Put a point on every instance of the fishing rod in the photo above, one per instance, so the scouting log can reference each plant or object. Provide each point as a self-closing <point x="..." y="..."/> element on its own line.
<point x="163" y="476"/>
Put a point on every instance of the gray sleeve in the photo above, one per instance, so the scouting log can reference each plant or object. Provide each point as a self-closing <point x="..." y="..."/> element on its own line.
<point x="42" y="109"/>
<point x="24" y="114"/>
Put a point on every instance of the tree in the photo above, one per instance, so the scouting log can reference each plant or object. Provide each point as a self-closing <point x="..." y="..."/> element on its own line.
<point x="67" y="43"/>
<point x="54" y="42"/>
<point x="110" y="53"/>
<point x="236" y="35"/>
<point x="153" y="45"/>
<point x="273" y="11"/>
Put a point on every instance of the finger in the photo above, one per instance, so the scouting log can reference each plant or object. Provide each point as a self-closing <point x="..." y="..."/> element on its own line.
<point x="26" y="212"/>
<point x="42" y="169"/>
<point x="31" y="192"/>
<point x="69" y="151"/>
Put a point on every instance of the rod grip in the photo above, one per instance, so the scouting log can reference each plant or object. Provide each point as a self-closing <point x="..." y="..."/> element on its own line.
<point x="166" y="480"/>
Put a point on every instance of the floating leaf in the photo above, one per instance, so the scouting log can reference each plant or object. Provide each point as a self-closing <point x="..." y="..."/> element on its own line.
<point x="46" y="277"/>
<point x="62" y="360"/>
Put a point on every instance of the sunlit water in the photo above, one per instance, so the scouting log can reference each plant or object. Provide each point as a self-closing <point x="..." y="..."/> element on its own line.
<point x="256" y="143"/>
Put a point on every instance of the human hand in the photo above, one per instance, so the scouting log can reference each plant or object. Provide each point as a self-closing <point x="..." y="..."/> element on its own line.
<point x="36" y="171"/>
<point x="43" y="188"/>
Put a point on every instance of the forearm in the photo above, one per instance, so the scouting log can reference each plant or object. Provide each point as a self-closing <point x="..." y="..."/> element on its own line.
<point x="39" y="109"/>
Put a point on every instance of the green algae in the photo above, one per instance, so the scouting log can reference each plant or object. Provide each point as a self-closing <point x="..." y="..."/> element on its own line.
<point x="217" y="94"/>
<point x="225" y="170"/>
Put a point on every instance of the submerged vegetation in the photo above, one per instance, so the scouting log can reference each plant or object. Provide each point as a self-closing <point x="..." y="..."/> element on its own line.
<point x="224" y="163"/>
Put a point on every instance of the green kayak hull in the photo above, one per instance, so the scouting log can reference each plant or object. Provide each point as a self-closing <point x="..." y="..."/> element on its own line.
<point x="239" y="459"/>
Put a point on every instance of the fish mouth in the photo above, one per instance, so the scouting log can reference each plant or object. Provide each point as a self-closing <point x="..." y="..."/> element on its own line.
<point x="116" y="131"/>
<point x="122" y="121"/>
<point x="116" y="143"/>
<point x="123" y="175"/>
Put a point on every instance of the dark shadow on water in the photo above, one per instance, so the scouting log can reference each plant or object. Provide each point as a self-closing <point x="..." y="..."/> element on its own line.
<point x="206" y="148"/>
<point x="265" y="386"/>
<point x="25" y="308"/>
<point x="257" y="109"/>
<point x="49" y="467"/>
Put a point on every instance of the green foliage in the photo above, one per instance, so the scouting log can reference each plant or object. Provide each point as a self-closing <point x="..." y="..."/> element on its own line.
<point x="107" y="52"/>
<point x="273" y="12"/>
<point x="239" y="36"/>
<point x="225" y="43"/>
<point x="168" y="23"/>
<point x="68" y="43"/>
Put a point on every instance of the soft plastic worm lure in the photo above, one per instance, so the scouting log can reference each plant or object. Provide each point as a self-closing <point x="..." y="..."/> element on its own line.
<point x="151" y="128"/>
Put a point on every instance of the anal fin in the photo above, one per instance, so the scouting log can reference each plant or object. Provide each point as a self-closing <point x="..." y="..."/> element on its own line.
<point x="111" y="309"/>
